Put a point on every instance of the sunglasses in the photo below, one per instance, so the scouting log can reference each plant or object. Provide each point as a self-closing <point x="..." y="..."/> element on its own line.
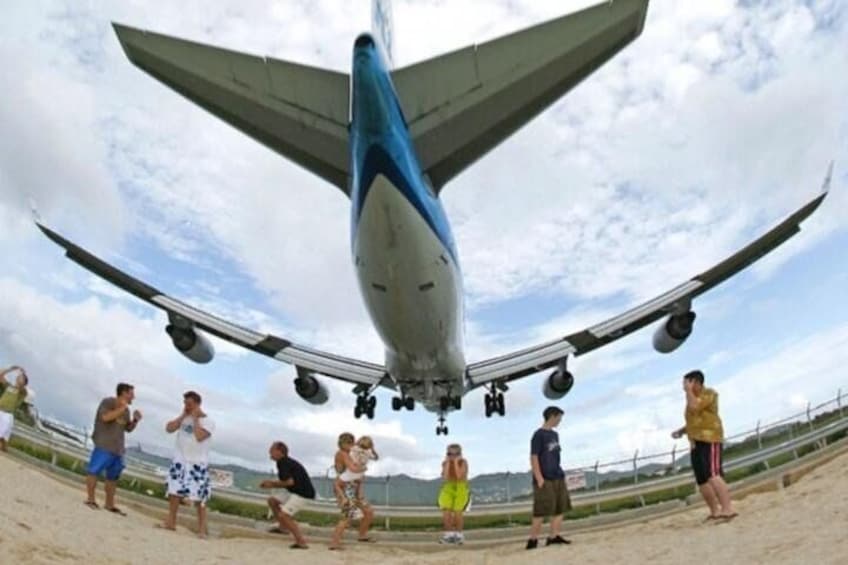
<point x="452" y="453"/>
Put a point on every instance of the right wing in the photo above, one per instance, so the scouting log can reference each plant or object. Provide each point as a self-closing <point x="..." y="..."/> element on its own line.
<point x="298" y="111"/>
<point x="531" y="360"/>
<point x="303" y="358"/>
<point x="463" y="104"/>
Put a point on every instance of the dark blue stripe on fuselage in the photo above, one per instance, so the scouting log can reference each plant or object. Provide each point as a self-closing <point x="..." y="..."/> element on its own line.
<point x="380" y="144"/>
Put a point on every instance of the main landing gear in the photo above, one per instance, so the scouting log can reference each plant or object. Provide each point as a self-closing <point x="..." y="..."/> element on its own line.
<point x="399" y="402"/>
<point x="494" y="400"/>
<point x="447" y="403"/>
<point x="365" y="404"/>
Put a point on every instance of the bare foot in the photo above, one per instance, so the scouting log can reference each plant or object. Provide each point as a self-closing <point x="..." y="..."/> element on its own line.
<point x="161" y="526"/>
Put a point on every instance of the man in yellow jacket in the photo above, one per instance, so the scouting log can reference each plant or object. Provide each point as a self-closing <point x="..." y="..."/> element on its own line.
<point x="706" y="434"/>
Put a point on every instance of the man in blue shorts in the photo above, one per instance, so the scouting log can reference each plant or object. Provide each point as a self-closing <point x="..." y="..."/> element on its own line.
<point x="111" y="423"/>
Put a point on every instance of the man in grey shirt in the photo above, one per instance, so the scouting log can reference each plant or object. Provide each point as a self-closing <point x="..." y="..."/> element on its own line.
<point x="110" y="425"/>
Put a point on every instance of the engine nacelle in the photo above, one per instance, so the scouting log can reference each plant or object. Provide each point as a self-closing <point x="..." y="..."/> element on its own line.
<point x="558" y="384"/>
<point x="309" y="388"/>
<point x="673" y="332"/>
<point x="191" y="343"/>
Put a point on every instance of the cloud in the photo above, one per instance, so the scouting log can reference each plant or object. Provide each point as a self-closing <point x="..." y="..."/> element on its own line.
<point x="711" y="127"/>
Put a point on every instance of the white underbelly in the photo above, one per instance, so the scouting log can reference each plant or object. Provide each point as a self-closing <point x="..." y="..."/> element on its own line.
<point x="412" y="289"/>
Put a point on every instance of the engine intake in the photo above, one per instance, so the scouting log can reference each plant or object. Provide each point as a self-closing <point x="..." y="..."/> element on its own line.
<point x="558" y="384"/>
<point x="309" y="388"/>
<point x="191" y="343"/>
<point x="673" y="332"/>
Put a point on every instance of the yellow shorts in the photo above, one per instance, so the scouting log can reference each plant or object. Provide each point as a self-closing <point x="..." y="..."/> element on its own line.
<point x="454" y="496"/>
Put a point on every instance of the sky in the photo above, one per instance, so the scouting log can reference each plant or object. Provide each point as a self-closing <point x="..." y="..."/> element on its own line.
<point x="714" y="125"/>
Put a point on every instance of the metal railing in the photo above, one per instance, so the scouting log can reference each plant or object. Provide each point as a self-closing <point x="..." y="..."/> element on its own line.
<point x="762" y="444"/>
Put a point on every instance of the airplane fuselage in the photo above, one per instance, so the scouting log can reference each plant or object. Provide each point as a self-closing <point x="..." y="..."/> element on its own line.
<point x="403" y="250"/>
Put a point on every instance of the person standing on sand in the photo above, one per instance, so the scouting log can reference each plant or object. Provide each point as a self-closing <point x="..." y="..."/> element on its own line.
<point x="293" y="477"/>
<point x="188" y="476"/>
<point x="550" y="495"/>
<point x="111" y="423"/>
<point x="13" y="397"/>
<point x="352" y="500"/>
<point x="706" y="434"/>
<point x="454" y="495"/>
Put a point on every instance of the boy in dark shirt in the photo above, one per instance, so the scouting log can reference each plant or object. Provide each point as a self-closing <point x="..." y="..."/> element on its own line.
<point x="294" y="478"/>
<point x="550" y="495"/>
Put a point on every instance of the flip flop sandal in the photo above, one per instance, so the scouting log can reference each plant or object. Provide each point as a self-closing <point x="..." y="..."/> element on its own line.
<point x="366" y="540"/>
<point x="298" y="546"/>
<point x="92" y="505"/>
<point x="116" y="510"/>
<point x="276" y="530"/>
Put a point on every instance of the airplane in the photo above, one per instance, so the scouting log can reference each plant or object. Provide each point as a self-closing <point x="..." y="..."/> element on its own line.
<point x="390" y="140"/>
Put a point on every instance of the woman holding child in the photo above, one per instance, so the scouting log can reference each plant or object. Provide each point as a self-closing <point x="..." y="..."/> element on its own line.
<point x="351" y="464"/>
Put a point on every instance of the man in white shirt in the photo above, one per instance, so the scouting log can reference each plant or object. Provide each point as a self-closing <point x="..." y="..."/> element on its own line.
<point x="188" y="476"/>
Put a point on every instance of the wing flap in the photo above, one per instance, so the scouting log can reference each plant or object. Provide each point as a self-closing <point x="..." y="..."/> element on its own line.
<point x="298" y="111"/>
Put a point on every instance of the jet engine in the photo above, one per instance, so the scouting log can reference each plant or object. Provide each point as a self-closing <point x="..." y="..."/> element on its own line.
<point x="558" y="384"/>
<point x="673" y="332"/>
<point x="191" y="343"/>
<point x="309" y="388"/>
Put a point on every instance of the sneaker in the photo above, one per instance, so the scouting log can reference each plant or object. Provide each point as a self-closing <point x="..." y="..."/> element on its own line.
<point x="459" y="538"/>
<point x="558" y="540"/>
<point x="532" y="544"/>
<point x="447" y="538"/>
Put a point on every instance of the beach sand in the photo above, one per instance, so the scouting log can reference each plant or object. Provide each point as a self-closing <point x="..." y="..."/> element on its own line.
<point x="43" y="520"/>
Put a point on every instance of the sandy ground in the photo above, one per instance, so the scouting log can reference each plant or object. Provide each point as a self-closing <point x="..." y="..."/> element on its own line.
<point x="44" y="521"/>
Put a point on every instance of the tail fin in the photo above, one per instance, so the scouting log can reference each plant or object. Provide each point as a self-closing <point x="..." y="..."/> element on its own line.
<point x="382" y="28"/>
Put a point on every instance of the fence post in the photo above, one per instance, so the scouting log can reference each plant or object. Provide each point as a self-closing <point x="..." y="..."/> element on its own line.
<point x="809" y="419"/>
<point x="759" y="437"/>
<point x="508" y="499"/>
<point x="839" y="401"/>
<point x="635" y="470"/>
<point x="597" y="486"/>
<point x="673" y="458"/>
<point x="388" y="520"/>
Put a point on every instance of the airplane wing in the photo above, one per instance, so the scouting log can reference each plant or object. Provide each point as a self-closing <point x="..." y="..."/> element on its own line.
<point x="298" y="111"/>
<point x="303" y="358"/>
<point x="534" y="359"/>
<point x="461" y="105"/>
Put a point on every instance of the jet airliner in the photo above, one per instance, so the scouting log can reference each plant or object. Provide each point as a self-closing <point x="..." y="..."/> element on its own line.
<point x="390" y="140"/>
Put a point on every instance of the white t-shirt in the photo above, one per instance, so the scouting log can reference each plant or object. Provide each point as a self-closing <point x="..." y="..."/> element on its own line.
<point x="188" y="449"/>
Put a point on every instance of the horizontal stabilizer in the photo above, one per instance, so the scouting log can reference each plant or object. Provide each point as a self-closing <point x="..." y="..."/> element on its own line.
<point x="298" y="111"/>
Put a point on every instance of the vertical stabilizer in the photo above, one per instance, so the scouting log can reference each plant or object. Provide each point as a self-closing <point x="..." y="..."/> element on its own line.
<point x="382" y="28"/>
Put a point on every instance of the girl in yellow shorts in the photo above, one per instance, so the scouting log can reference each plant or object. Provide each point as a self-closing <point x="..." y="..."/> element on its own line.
<point x="454" y="495"/>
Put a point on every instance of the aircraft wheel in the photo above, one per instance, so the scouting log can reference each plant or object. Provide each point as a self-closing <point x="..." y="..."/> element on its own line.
<point x="501" y="405"/>
<point x="357" y="410"/>
<point x="396" y="403"/>
<point x="409" y="403"/>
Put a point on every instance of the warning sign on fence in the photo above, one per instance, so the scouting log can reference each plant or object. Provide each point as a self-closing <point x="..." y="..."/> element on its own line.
<point x="575" y="480"/>
<point x="220" y="478"/>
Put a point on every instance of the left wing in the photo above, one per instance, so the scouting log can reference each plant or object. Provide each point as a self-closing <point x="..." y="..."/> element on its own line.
<point x="676" y="301"/>
<point x="303" y="358"/>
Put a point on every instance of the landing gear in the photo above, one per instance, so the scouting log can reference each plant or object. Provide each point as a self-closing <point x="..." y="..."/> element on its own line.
<point x="447" y="402"/>
<point x="365" y="405"/>
<point x="494" y="400"/>
<point x="399" y="402"/>
<point x="442" y="428"/>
